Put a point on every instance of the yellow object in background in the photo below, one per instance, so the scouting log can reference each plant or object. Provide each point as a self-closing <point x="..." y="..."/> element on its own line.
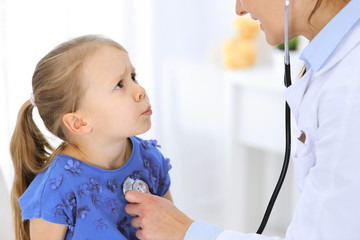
<point x="240" y="51"/>
<point x="247" y="28"/>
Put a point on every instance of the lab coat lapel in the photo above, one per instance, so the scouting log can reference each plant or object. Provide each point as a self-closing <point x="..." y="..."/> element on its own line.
<point x="295" y="93"/>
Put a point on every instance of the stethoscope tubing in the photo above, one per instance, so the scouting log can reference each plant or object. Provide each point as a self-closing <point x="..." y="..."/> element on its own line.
<point x="287" y="83"/>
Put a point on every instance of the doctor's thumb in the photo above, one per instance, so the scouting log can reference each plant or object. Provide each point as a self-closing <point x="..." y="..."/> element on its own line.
<point x="133" y="196"/>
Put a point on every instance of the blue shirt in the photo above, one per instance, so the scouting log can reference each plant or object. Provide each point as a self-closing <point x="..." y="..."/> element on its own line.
<point x="90" y="200"/>
<point x="326" y="106"/>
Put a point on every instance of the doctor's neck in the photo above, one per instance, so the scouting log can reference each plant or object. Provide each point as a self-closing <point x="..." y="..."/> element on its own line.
<point x="321" y="15"/>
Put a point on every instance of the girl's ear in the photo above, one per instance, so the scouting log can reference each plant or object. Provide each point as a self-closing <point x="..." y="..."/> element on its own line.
<point x="76" y="125"/>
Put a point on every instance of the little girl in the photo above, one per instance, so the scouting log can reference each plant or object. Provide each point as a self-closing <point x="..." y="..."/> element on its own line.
<point x="87" y="95"/>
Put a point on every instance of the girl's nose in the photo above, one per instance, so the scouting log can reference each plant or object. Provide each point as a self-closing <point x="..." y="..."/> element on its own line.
<point x="139" y="92"/>
<point x="239" y="9"/>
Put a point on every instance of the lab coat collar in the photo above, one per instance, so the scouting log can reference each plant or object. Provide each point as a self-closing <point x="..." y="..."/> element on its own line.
<point x="326" y="49"/>
<point x="321" y="48"/>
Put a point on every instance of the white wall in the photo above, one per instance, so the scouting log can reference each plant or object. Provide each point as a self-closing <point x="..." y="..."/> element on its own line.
<point x="5" y="212"/>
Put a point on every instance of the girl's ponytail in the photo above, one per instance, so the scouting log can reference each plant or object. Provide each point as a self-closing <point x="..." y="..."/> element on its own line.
<point x="29" y="152"/>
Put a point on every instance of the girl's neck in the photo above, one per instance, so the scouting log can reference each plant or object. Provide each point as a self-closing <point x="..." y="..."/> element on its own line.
<point x="108" y="158"/>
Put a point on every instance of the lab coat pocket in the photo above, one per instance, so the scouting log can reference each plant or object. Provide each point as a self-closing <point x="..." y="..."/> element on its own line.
<point x="304" y="142"/>
<point x="302" y="166"/>
<point x="304" y="157"/>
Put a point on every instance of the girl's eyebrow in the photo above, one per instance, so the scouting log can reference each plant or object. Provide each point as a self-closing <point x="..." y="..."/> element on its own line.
<point x="119" y="76"/>
<point x="123" y="73"/>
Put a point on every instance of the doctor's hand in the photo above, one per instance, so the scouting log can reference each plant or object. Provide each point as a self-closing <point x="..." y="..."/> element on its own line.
<point x="156" y="217"/>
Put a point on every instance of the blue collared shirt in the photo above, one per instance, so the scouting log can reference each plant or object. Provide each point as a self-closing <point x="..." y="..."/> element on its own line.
<point x="326" y="106"/>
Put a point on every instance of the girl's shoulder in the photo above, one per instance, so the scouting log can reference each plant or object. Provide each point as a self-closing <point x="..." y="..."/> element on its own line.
<point x="150" y="153"/>
<point x="146" y="145"/>
<point x="53" y="176"/>
<point x="47" y="187"/>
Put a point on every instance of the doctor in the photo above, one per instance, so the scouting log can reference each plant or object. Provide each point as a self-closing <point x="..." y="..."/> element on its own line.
<point x="326" y="105"/>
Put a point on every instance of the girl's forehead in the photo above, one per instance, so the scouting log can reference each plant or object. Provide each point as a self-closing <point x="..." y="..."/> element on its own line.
<point x="109" y="53"/>
<point x="106" y="63"/>
<point x="107" y="57"/>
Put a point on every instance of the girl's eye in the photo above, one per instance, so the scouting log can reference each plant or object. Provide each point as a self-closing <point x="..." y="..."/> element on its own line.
<point x="119" y="85"/>
<point x="133" y="77"/>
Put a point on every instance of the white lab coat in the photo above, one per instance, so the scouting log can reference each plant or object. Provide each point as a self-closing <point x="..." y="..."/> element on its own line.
<point x="326" y="106"/>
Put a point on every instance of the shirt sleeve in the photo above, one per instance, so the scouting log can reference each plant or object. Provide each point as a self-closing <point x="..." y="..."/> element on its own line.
<point x="164" y="181"/>
<point x="203" y="231"/>
<point x="200" y="230"/>
<point x="45" y="198"/>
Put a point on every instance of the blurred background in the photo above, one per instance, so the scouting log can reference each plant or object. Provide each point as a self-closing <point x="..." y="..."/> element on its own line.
<point x="217" y="117"/>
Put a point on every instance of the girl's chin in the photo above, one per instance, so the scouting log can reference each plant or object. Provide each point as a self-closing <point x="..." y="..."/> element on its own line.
<point x="145" y="128"/>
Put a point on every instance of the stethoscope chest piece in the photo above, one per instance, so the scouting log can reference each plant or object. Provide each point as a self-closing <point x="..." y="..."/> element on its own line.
<point x="134" y="184"/>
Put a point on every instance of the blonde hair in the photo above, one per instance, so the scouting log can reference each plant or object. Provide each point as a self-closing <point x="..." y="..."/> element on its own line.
<point x="57" y="90"/>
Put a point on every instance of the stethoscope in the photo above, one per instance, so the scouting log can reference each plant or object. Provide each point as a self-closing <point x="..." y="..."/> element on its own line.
<point x="140" y="185"/>
<point x="287" y="82"/>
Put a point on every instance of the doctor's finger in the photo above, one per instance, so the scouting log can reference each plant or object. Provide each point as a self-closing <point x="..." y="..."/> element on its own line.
<point x="139" y="234"/>
<point x="136" y="222"/>
<point x="133" y="209"/>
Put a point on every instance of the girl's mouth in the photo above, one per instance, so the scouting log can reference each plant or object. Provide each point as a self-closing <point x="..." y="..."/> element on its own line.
<point x="148" y="112"/>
